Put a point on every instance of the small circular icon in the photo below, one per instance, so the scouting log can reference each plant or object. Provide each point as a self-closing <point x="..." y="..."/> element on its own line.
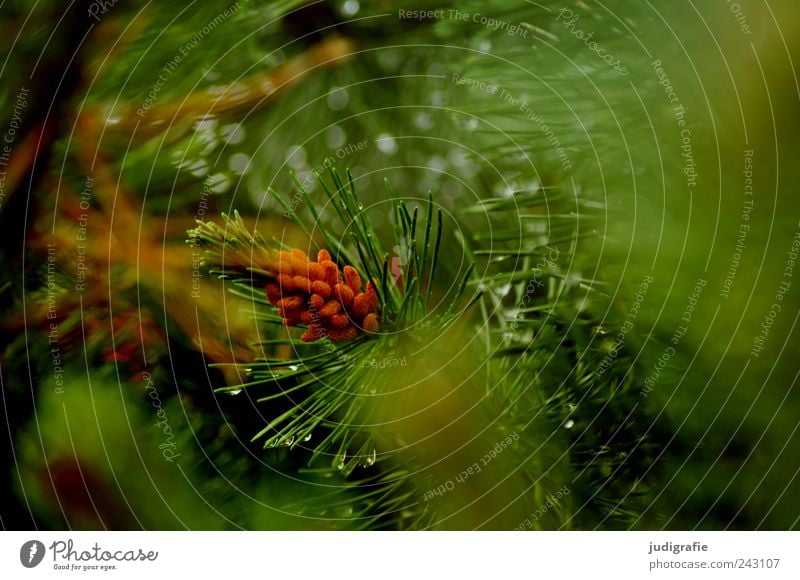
<point x="31" y="553"/>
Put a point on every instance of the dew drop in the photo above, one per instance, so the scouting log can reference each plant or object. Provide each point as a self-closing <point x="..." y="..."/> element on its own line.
<point x="389" y="58"/>
<point x="233" y="133"/>
<point x="437" y="163"/>
<point x="386" y="144"/>
<point x="511" y="314"/>
<point x="239" y="92"/>
<point x="234" y="391"/>
<point x="261" y="199"/>
<point x="296" y="156"/>
<point x="306" y="177"/>
<point x="536" y="227"/>
<point x="338" y="99"/>
<point x="458" y="157"/>
<point x="335" y="137"/>
<point x="198" y="168"/>
<point x="206" y="124"/>
<point x="340" y="460"/>
<point x="569" y="424"/>
<point x="239" y="163"/>
<point x="351" y="7"/>
<point x="179" y="159"/>
<point x="218" y="183"/>
<point x="526" y="336"/>
<point x="210" y="142"/>
<point x="532" y="186"/>
<point x="423" y="121"/>
<point x="471" y="124"/>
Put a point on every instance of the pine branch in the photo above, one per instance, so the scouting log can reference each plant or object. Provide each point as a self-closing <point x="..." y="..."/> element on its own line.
<point x="328" y="387"/>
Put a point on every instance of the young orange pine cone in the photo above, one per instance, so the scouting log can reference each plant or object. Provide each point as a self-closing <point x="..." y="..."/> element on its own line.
<point x="315" y="294"/>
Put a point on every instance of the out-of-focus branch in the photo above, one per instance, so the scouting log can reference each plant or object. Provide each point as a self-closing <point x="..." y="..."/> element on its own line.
<point x="250" y="93"/>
